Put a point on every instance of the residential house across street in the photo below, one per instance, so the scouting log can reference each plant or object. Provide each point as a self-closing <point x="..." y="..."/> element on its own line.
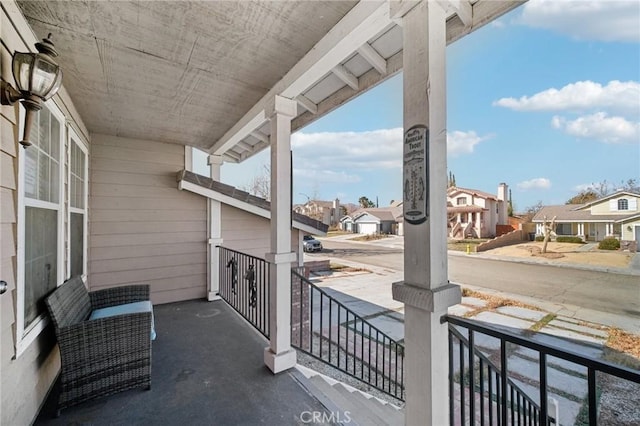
<point x="476" y="214"/>
<point x="615" y="216"/>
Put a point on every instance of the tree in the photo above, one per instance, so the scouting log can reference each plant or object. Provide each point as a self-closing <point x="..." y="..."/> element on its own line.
<point x="584" y="196"/>
<point x="365" y="202"/>
<point x="602" y="189"/>
<point x="452" y="180"/>
<point x="549" y="230"/>
<point x="260" y="185"/>
<point x="510" y="206"/>
<point x="531" y="211"/>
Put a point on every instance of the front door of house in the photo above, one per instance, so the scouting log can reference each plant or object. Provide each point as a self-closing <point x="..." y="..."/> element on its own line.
<point x="638" y="235"/>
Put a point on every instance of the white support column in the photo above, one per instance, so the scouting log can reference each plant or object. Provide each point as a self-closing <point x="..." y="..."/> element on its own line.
<point x="279" y="356"/>
<point x="214" y="225"/>
<point x="426" y="290"/>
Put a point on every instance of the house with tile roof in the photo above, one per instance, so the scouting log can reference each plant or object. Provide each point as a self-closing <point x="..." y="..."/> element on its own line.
<point x="476" y="214"/>
<point x="616" y="215"/>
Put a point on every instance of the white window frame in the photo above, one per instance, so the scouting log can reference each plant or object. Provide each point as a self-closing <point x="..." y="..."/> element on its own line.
<point x="623" y="204"/>
<point x="73" y="138"/>
<point x="26" y="336"/>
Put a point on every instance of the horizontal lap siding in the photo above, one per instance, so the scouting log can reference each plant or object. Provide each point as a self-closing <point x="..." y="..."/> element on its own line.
<point x="25" y="379"/>
<point x="143" y="229"/>
<point x="249" y="233"/>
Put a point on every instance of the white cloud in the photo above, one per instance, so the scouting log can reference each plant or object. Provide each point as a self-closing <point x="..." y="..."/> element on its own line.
<point x="463" y="142"/>
<point x="599" y="126"/>
<point x="580" y="96"/>
<point x="537" y="183"/>
<point x="352" y="151"/>
<point x="322" y="154"/>
<point x="602" y="20"/>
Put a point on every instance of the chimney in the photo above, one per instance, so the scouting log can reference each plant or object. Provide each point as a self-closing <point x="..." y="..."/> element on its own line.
<point x="502" y="191"/>
<point x="503" y="204"/>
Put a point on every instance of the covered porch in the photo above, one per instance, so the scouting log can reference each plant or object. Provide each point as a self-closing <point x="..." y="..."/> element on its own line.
<point x="147" y="82"/>
<point x="207" y="369"/>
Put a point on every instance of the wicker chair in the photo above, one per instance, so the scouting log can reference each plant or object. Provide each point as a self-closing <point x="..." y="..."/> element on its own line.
<point x="103" y="356"/>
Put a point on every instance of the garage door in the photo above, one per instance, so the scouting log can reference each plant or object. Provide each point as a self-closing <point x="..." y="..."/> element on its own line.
<point x="368" y="228"/>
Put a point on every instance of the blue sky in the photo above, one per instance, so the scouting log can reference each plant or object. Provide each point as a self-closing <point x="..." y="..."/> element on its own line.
<point x="546" y="99"/>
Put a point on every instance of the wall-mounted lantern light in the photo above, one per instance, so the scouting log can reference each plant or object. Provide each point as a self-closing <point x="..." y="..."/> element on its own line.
<point x="38" y="78"/>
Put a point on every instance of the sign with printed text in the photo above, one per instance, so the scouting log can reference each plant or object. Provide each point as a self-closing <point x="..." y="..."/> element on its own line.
<point x="414" y="175"/>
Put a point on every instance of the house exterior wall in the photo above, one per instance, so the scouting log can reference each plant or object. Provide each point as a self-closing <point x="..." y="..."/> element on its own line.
<point x="142" y="228"/>
<point x="26" y="376"/>
<point x="251" y="234"/>
<point x="631" y="230"/>
<point x="605" y="206"/>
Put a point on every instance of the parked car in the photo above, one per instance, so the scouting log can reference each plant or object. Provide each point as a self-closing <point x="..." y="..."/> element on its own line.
<point x="310" y="244"/>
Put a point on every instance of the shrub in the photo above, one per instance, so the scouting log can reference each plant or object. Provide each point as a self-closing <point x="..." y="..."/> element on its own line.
<point x="576" y="240"/>
<point x="609" y="244"/>
<point x="539" y="238"/>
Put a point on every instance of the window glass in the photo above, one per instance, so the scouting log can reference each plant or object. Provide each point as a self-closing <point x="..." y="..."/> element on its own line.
<point x="76" y="243"/>
<point x="623" y="204"/>
<point x="42" y="206"/>
<point x="76" y="198"/>
<point x="41" y="259"/>
<point x="77" y="207"/>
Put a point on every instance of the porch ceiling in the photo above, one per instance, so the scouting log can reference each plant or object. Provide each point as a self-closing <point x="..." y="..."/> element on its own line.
<point x="201" y="73"/>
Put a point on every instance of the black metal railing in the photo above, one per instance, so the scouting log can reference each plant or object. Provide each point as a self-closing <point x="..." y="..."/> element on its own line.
<point x="327" y="330"/>
<point x="502" y="402"/>
<point x="244" y="285"/>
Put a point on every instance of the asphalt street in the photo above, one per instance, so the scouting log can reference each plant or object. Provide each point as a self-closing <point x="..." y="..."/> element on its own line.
<point x="605" y="292"/>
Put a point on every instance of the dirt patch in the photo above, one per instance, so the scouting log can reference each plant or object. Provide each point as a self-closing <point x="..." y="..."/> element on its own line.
<point x="567" y="253"/>
<point x="624" y="342"/>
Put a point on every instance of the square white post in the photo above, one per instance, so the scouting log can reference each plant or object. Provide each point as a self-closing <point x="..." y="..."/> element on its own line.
<point x="214" y="225"/>
<point x="425" y="290"/>
<point x="279" y="356"/>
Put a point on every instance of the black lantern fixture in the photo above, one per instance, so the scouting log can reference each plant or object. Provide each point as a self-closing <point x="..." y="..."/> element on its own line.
<point x="38" y="77"/>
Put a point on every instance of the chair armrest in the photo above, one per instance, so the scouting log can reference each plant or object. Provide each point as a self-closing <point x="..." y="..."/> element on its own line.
<point x="119" y="295"/>
<point x="99" y="340"/>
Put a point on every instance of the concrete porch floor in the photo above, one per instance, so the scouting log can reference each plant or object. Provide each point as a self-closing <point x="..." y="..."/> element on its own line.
<point x="207" y="369"/>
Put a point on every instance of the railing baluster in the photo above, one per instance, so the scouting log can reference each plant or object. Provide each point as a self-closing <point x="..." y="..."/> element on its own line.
<point x="330" y="318"/>
<point x="490" y="400"/>
<point x="339" y="336"/>
<point x="472" y="414"/>
<point x="361" y="349"/>
<point x="503" y="375"/>
<point x="512" y="404"/>
<point x="462" y="390"/>
<point x="591" y="389"/>
<point x="321" y="324"/>
<point x="451" y="380"/>
<point x="544" y="418"/>
<point x="481" y="392"/>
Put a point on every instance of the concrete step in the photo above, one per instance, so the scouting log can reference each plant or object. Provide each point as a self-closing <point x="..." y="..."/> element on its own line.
<point x="345" y="401"/>
<point x="348" y="408"/>
<point x="387" y="414"/>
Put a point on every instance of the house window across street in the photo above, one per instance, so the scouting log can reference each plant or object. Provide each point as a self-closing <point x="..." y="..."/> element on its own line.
<point x="461" y="201"/>
<point x="623" y="204"/>
<point x="563" y="229"/>
<point x="40" y="258"/>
